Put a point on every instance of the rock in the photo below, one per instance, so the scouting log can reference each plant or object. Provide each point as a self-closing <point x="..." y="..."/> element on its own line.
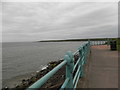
<point x="17" y="86"/>
<point x="23" y="80"/>
<point x="6" y="88"/>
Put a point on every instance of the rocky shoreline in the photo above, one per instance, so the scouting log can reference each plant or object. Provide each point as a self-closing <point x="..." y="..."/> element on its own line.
<point x="54" y="82"/>
<point x="51" y="83"/>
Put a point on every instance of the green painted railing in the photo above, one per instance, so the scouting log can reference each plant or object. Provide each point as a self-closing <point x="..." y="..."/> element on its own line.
<point x="100" y="42"/>
<point x="71" y="67"/>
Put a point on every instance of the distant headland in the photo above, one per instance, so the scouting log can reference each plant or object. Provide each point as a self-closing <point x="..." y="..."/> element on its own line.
<point x="68" y="40"/>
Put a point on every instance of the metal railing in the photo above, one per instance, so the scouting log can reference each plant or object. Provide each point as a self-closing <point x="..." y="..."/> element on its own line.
<point x="100" y="42"/>
<point x="71" y="68"/>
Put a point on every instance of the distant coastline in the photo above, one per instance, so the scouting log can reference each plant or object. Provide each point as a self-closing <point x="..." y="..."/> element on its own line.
<point x="68" y="40"/>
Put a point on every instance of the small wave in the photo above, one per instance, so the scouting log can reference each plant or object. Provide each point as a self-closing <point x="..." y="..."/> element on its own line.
<point x="42" y="67"/>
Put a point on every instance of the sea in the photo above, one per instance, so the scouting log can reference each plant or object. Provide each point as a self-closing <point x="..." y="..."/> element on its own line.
<point x="23" y="59"/>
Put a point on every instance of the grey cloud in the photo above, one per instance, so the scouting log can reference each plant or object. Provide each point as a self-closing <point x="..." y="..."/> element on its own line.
<point x="40" y="21"/>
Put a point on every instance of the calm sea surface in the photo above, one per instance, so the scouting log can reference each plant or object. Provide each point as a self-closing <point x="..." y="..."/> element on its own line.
<point x="19" y="59"/>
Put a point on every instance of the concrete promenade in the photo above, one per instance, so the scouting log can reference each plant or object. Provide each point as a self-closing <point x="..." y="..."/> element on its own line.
<point x="102" y="71"/>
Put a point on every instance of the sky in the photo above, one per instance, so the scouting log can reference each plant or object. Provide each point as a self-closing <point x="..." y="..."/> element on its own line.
<point x="35" y="21"/>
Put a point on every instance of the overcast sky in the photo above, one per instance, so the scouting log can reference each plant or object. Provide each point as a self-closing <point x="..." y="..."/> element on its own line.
<point x="34" y="21"/>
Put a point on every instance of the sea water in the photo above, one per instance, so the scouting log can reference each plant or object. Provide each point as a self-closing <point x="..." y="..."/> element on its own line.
<point x="21" y="59"/>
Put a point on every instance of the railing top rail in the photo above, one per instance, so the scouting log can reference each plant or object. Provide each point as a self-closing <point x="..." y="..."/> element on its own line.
<point x="41" y="81"/>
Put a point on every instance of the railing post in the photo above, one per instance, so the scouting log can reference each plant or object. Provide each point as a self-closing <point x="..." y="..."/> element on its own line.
<point x="89" y="42"/>
<point x="81" y="62"/>
<point x="108" y="41"/>
<point x="88" y="47"/>
<point x="69" y="68"/>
